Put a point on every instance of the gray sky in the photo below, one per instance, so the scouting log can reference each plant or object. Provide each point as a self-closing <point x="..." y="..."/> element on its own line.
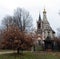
<point x="34" y="7"/>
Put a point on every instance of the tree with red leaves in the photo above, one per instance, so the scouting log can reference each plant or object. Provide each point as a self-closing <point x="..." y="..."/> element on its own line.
<point x="13" y="38"/>
<point x="15" y="31"/>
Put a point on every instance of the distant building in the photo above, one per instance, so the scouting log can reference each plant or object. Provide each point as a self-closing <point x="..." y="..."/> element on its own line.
<point x="43" y="27"/>
<point x="44" y="30"/>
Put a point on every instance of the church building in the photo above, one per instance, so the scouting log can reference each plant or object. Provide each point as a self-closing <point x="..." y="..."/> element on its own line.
<point x="44" y="29"/>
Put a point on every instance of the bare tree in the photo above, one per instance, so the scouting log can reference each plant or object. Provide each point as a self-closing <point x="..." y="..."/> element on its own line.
<point x="7" y="21"/>
<point x="21" y="18"/>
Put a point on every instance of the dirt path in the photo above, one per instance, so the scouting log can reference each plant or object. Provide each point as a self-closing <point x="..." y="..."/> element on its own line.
<point x="6" y="52"/>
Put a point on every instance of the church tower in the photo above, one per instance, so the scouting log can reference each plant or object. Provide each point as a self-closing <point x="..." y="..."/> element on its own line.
<point x="46" y="26"/>
<point x="45" y="21"/>
<point x="39" y="29"/>
<point x="39" y="25"/>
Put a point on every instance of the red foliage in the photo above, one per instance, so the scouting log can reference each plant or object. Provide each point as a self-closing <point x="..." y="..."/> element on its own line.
<point x="13" y="38"/>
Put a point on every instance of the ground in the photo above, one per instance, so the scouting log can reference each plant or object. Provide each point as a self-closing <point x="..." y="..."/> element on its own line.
<point x="31" y="55"/>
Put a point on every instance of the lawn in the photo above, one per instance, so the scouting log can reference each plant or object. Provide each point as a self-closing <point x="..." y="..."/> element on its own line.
<point x="32" y="55"/>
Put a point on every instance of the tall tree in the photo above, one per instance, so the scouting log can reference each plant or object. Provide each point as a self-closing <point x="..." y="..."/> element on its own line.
<point x="15" y="39"/>
<point x="21" y="18"/>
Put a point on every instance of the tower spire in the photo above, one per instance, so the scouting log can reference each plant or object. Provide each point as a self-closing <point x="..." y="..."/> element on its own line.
<point x="45" y="17"/>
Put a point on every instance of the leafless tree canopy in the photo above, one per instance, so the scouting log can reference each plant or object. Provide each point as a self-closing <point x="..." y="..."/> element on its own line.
<point x="7" y="21"/>
<point x="21" y="18"/>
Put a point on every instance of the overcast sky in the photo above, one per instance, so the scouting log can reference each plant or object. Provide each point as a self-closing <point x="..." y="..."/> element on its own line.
<point x="34" y="7"/>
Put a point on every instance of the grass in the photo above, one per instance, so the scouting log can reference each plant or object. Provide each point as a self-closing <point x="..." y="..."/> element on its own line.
<point x="30" y="55"/>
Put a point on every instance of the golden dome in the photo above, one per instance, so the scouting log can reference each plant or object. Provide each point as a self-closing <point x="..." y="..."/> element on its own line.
<point x="44" y="11"/>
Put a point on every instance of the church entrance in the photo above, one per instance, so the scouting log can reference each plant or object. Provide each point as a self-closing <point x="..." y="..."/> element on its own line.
<point x="48" y="44"/>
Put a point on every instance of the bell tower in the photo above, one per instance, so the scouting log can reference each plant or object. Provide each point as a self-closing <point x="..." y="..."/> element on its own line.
<point x="39" y="25"/>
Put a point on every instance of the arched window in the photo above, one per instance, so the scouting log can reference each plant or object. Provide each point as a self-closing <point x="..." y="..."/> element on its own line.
<point x="39" y="25"/>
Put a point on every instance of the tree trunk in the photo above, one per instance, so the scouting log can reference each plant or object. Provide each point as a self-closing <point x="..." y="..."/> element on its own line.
<point x="18" y="50"/>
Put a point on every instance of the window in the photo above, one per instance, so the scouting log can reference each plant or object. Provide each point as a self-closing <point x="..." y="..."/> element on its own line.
<point x="39" y="25"/>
